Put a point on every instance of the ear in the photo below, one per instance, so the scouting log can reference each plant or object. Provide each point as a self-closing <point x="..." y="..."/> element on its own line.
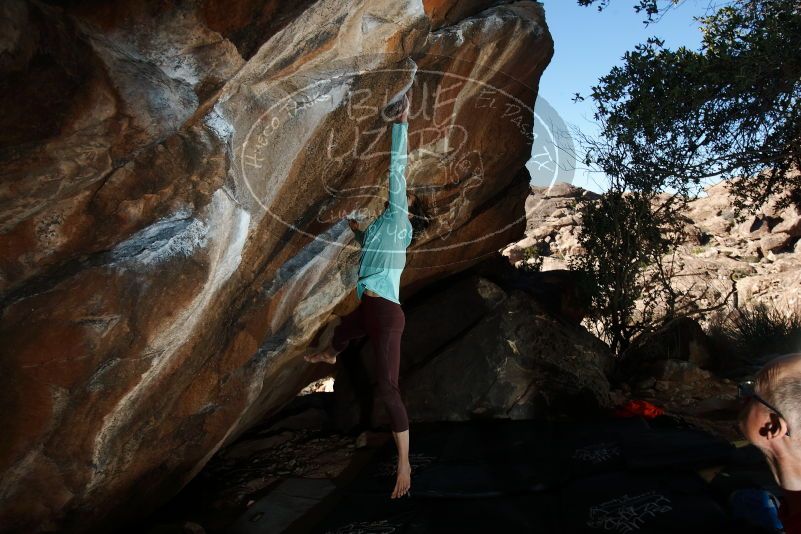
<point x="775" y="427"/>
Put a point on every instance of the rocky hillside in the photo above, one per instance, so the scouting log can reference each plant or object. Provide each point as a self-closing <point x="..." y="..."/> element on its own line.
<point x="760" y="258"/>
<point x="173" y="178"/>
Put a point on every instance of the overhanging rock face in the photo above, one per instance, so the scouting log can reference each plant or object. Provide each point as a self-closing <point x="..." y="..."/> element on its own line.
<point x="173" y="179"/>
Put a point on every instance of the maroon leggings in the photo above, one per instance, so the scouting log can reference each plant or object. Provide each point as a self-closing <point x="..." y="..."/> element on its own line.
<point x="383" y="321"/>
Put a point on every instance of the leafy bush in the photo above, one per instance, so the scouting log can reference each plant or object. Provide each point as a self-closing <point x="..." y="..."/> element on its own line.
<point x="670" y="119"/>
<point x="533" y="256"/>
<point x="623" y="234"/>
<point x="676" y="117"/>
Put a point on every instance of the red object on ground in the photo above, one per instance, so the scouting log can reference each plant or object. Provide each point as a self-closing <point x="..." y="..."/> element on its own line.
<point x="634" y="408"/>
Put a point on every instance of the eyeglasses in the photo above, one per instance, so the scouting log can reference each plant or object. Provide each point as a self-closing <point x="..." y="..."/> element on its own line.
<point x="745" y="391"/>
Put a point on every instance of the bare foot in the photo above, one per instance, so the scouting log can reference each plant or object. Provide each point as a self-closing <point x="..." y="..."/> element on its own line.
<point x="329" y="355"/>
<point x="404" y="480"/>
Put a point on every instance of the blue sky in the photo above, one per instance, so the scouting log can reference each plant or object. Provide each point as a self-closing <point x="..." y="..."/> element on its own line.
<point x="587" y="44"/>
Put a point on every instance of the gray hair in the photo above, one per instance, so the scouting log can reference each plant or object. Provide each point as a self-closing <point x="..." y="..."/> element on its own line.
<point x="785" y="394"/>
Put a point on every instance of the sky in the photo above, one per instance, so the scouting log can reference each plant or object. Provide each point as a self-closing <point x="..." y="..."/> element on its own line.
<point x="587" y="44"/>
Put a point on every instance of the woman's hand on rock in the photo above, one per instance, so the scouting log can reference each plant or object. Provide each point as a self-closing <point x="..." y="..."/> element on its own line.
<point x="404" y="116"/>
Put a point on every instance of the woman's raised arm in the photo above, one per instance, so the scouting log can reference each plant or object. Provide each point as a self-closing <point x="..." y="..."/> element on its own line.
<point x="397" y="164"/>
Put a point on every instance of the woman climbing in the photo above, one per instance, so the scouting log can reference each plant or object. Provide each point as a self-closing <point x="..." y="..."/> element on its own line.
<point x="379" y="314"/>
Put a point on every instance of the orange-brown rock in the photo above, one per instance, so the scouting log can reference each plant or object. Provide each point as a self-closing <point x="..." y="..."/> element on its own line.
<point x="173" y="177"/>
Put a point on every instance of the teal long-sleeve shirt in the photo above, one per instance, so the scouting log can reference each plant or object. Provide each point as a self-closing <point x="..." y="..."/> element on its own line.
<point x="384" y="242"/>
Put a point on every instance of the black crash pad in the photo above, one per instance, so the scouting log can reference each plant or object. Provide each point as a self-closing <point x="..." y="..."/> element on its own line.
<point x="467" y="460"/>
<point x="521" y="513"/>
<point x="635" y="502"/>
<point x="594" y="447"/>
<point x="668" y="448"/>
<point x="494" y="441"/>
<point x="459" y="480"/>
<point x="615" y="475"/>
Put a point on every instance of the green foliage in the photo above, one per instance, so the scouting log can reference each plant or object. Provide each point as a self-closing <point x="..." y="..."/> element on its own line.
<point x="675" y="117"/>
<point x="650" y="7"/>
<point x="669" y="119"/>
<point x="533" y="256"/>
<point x="699" y="249"/>
<point x="622" y="234"/>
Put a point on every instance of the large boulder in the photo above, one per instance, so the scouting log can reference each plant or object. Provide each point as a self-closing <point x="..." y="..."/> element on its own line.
<point x="517" y="362"/>
<point x="473" y="349"/>
<point x="172" y="184"/>
<point x="680" y="340"/>
<point x="562" y="292"/>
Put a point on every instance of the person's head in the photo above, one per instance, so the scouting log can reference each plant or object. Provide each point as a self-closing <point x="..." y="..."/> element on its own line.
<point x="771" y="416"/>
<point x="411" y="201"/>
<point x="416" y="215"/>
